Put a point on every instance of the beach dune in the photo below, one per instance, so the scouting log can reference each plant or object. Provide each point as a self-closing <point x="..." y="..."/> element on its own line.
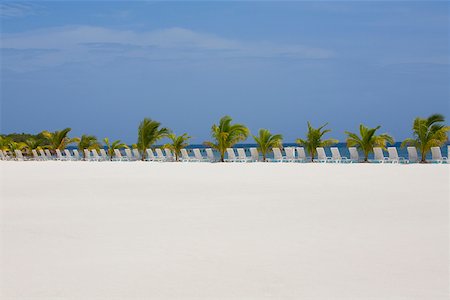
<point x="112" y="230"/>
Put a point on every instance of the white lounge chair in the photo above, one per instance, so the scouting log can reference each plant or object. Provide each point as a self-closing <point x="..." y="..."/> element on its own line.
<point x="150" y="155"/>
<point x="301" y="154"/>
<point x="87" y="155"/>
<point x="4" y="155"/>
<point x="103" y="155"/>
<point x="129" y="155"/>
<point x="210" y="155"/>
<point x="336" y="156"/>
<point x="95" y="156"/>
<point x="159" y="155"/>
<point x="354" y="154"/>
<point x="198" y="155"/>
<point x="185" y="156"/>
<point x="59" y="155"/>
<point x="394" y="158"/>
<point x="136" y="154"/>
<point x="321" y="156"/>
<point x="35" y="155"/>
<point x="242" y="156"/>
<point x="76" y="154"/>
<point x="48" y="154"/>
<point x="413" y="157"/>
<point x="277" y="155"/>
<point x="254" y="154"/>
<point x="378" y="156"/>
<point x="68" y="155"/>
<point x="231" y="156"/>
<point x="169" y="154"/>
<point x="118" y="156"/>
<point x="42" y="154"/>
<point x="436" y="156"/>
<point x="290" y="154"/>
<point x="18" y="155"/>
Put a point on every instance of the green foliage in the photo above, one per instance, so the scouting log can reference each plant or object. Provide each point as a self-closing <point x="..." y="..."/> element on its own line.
<point x="428" y="133"/>
<point x="149" y="132"/>
<point x="117" y="144"/>
<point x="266" y="141"/>
<point x="367" y="140"/>
<point x="88" y="142"/>
<point x="226" y="135"/>
<point x="59" y="139"/>
<point x="177" y="143"/>
<point x="314" y="139"/>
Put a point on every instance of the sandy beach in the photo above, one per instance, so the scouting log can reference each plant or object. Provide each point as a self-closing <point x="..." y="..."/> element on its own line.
<point x="85" y="230"/>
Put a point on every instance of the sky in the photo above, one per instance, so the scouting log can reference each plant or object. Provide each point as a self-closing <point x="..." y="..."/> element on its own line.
<point x="101" y="67"/>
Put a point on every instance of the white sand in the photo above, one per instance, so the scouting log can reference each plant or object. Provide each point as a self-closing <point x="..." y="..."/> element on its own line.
<point x="80" y="230"/>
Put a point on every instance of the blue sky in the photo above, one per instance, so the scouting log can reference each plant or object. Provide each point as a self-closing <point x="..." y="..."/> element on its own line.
<point x="101" y="67"/>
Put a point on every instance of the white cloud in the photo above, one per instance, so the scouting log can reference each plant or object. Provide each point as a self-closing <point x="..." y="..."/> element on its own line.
<point x="15" y="10"/>
<point x="101" y="45"/>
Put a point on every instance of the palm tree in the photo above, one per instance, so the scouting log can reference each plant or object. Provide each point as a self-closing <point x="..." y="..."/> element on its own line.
<point x="88" y="142"/>
<point x="149" y="133"/>
<point x="428" y="133"/>
<point x="314" y="139"/>
<point x="266" y="141"/>
<point x="177" y="143"/>
<point x="59" y="139"/>
<point x="226" y="135"/>
<point x="367" y="140"/>
<point x="110" y="147"/>
<point x="4" y="143"/>
<point x="12" y="146"/>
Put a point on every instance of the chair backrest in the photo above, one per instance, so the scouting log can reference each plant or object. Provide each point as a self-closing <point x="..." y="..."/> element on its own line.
<point x="277" y="154"/>
<point x="95" y="154"/>
<point x="436" y="153"/>
<point x="210" y="154"/>
<point x="241" y="153"/>
<point x="335" y="154"/>
<point x="136" y="154"/>
<point x="197" y="154"/>
<point x="128" y="154"/>
<point x="19" y="155"/>
<point x="42" y="153"/>
<point x="48" y="154"/>
<point x="117" y="153"/>
<point x="254" y="153"/>
<point x="2" y="156"/>
<point x="413" y="157"/>
<point x="393" y="154"/>
<point x="290" y="152"/>
<point x="67" y="153"/>
<point x="150" y="155"/>
<point x="87" y="154"/>
<point x="103" y="153"/>
<point x="354" y="154"/>
<point x="159" y="153"/>
<point x="301" y="154"/>
<point x="321" y="153"/>
<point x="378" y="153"/>
<point x="184" y="154"/>
<point x="231" y="154"/>
<point x="76" y="154"/>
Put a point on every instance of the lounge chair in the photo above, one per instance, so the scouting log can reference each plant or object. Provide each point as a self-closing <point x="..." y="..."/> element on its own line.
<point x="354" y="154"/>
<point x="210" y="155"/>
<point x="290" y="154"/>
<point x="413" y="157"/>
<point x="277" y="155"/>
<point x="242" y="156"/>
<point x="87" y="155"/>
<point x="136" y="154"/>
<point x="59" y="155"/>
<point x="35" y="155"/>
<point x="198" y="155"/>
<point x="95" y="156"/>
<point x="68" y="155"/>
<point x="378" y="156"/>
<point x="42" y="154"/>
<point x="118" y="156"/>
<point x="48" y="154"/>
<point x="185" y="156"/>
<point x="436" y="156"/>
<point x="321" y="156"/>
<point x="231" y="156"/>
<point x="159" y="155"/>
<point x="150" y="155"/>
<point x="3" y="156"/>
<point x="336" y="156"/>
<point x="76" y="154"/>
<point x="129" y="155"/>
<point x="301" y="154"/>
<point x="254" y="154"/>
<point x="169" y="154"/>
<point x="103" y="155"/>
<point x="394" y="158"/>
<point x="18" y="155"/>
